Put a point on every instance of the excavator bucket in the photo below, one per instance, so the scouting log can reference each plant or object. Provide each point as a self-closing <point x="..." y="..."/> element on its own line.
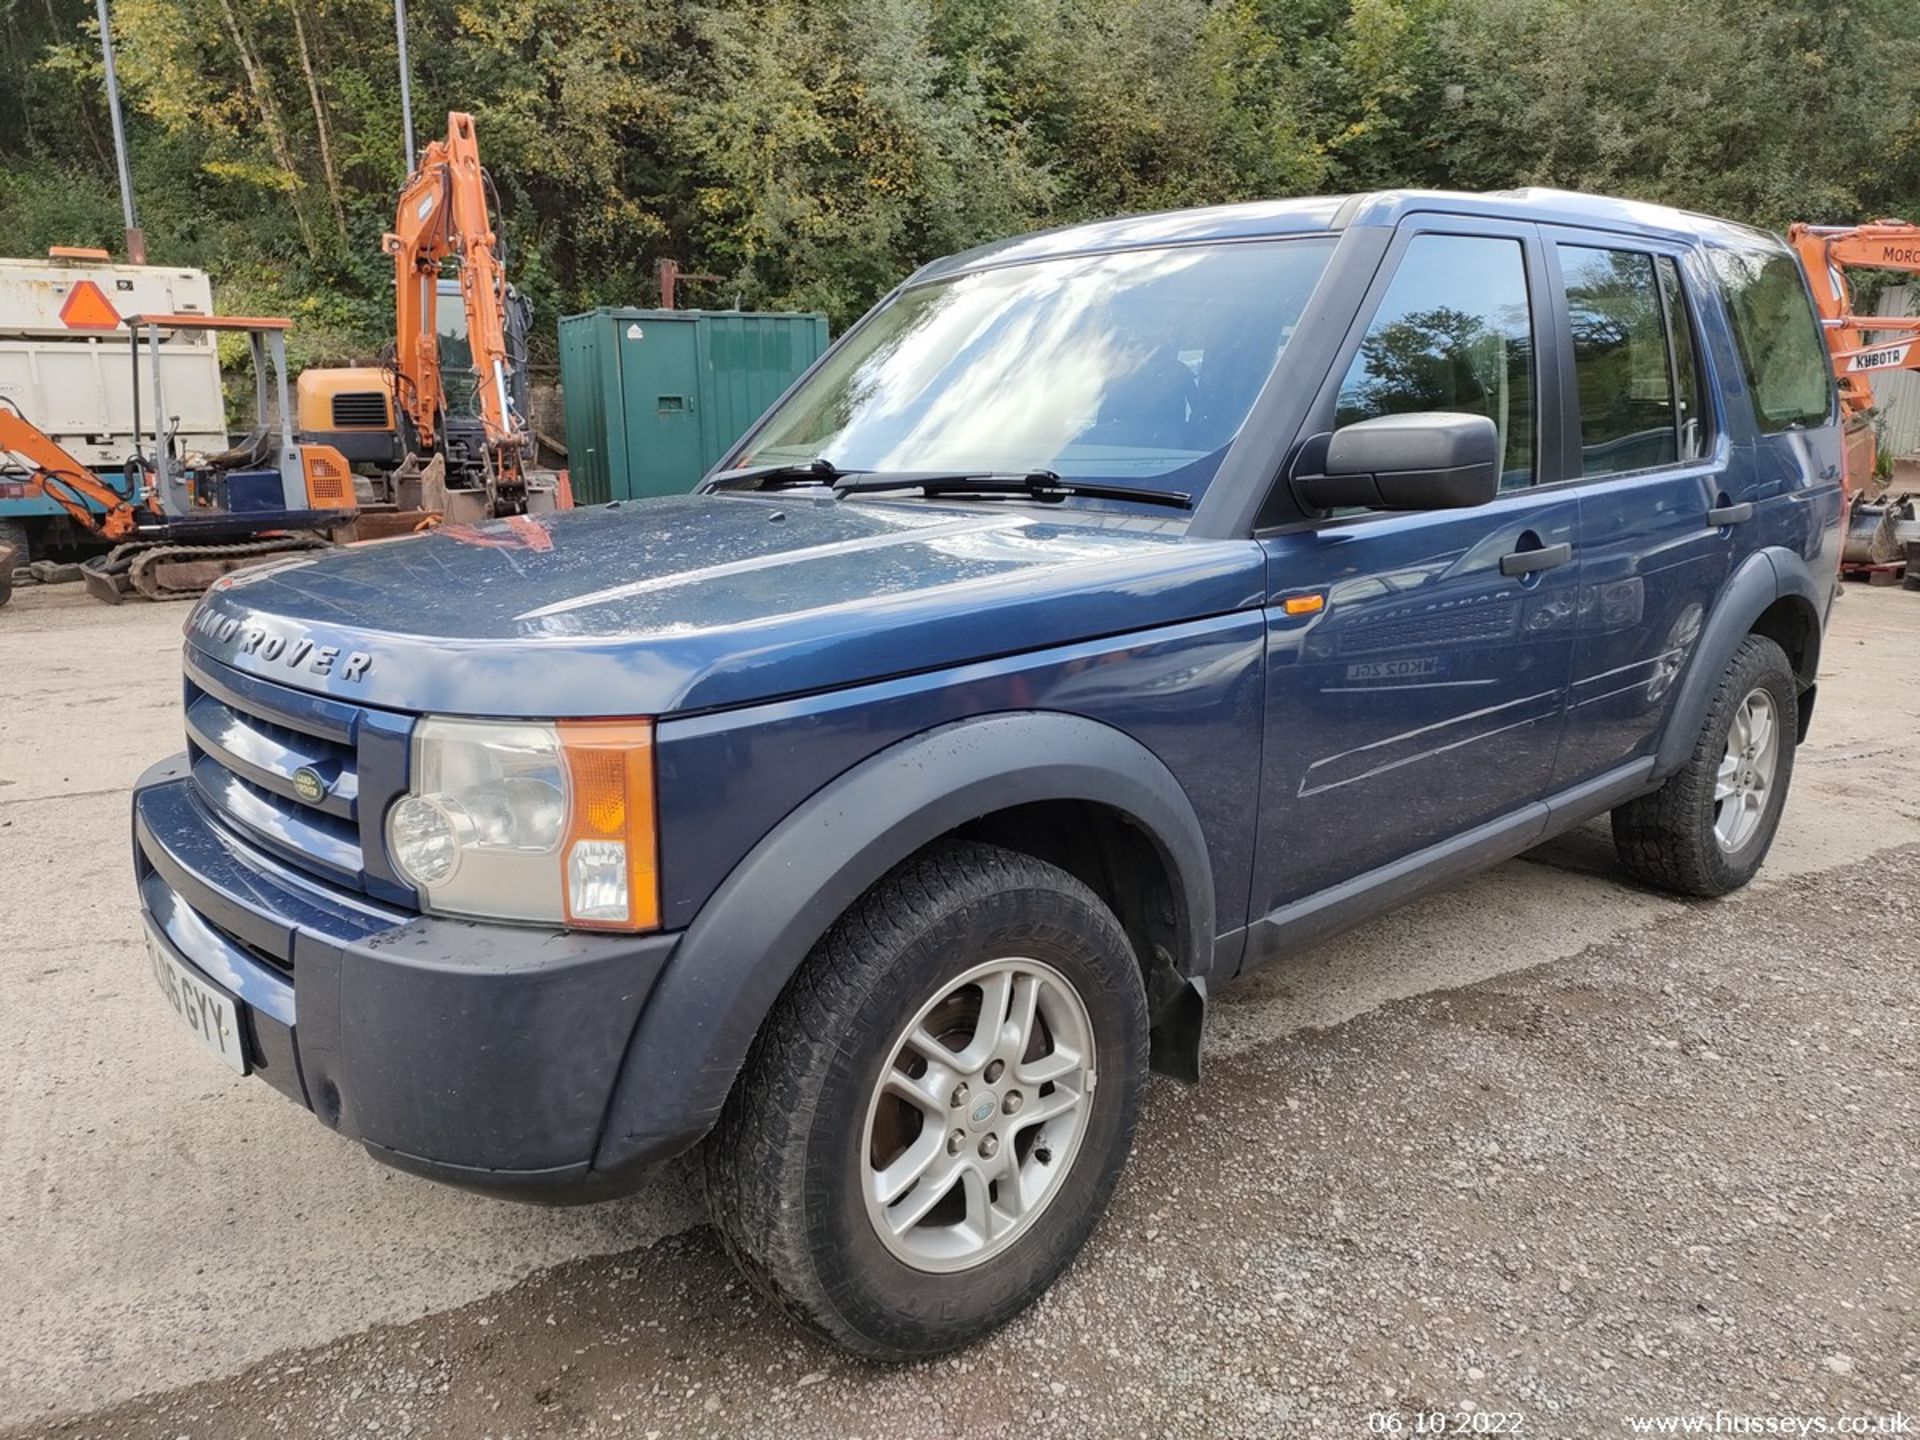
<point x="103" y="584"/>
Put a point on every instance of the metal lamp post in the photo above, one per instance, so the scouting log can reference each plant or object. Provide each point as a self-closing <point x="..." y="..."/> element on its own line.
<point x="136" y="241"/>
<point x="406" y="83"/>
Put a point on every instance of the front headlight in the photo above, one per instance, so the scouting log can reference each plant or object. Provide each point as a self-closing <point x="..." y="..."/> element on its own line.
<point x="516" y="820"/>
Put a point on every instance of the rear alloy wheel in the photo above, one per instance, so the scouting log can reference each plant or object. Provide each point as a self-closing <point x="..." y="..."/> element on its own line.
<point x="917" y="1146"/>
<point x="1706" y="830"/>
<point x="1743" y="786"/>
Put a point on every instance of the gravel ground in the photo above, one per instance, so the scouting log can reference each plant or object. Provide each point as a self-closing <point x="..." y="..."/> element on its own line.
<point x="1674" y="1174"/>
<point x="1544" y="1146"/>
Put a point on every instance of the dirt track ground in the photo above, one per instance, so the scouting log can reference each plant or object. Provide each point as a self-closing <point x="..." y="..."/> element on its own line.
<point x="1544" y="1145"/>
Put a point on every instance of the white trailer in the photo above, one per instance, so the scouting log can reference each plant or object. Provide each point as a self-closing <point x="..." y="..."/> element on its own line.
<point x="66" y="359"/>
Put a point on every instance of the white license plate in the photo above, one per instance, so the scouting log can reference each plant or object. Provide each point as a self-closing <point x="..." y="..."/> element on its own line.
<point x="201" y="1008"/>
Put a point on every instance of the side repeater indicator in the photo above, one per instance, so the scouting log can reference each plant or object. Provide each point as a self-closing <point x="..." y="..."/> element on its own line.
<point x="1304" y="604"/>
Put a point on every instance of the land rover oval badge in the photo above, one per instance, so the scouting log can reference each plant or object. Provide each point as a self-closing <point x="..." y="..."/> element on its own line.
<point x="308" y="785"/>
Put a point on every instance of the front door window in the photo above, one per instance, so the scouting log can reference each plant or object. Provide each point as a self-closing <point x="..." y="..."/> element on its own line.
<point x="1454" y="332"/>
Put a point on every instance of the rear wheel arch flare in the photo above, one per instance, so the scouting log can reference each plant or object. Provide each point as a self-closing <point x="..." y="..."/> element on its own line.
<point x="1773" y="592"/>
<point x="1793" y="624"/>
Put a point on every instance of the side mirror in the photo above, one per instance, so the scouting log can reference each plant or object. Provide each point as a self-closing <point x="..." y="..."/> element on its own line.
<point x="1433" y="460"/>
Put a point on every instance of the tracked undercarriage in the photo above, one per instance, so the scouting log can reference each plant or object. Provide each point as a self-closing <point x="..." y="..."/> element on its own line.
<point x="159" y="570"/>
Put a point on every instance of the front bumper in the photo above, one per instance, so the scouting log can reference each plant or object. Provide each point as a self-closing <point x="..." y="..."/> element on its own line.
<point x="482" y="1055"/>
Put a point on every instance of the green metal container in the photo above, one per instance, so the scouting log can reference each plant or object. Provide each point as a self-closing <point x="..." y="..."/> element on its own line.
<point x="655" y="397"/>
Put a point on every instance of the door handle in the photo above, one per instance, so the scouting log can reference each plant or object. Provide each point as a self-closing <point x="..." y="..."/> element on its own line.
<point x="1729" y="514"/>
<point x="1528" y="562"/>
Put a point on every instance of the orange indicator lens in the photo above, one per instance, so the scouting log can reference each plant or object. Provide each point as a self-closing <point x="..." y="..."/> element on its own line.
<point x="610" y="852"/>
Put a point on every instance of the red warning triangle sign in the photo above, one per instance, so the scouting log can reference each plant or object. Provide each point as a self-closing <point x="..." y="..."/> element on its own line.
<point x="87" y="308"/>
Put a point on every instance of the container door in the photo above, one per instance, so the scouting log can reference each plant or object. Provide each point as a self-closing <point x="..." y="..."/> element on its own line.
<point x="659" y="382"/>
<point x="746" y="363"/>
<point x="587" y="379"/>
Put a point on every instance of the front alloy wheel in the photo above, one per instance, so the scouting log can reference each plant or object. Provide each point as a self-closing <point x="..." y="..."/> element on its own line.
<point x="917" y="1146"/>
<point x="976" y="1119"/>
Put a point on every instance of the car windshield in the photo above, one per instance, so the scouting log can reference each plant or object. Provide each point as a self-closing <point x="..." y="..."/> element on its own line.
<point x="1135" y="367"/>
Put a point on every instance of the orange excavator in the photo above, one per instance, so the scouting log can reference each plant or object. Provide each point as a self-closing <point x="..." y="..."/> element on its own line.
<point x="191" y="517"/>
<point x="443" y="441"/>
<point x="1878" y="536"/>
<point x="1826" y="253"/>
<point x="51" y="471"/>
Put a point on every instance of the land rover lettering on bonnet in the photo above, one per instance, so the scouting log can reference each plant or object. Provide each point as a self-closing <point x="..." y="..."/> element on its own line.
<point x="1107" y="613"/>
<point x="295" y="651"/>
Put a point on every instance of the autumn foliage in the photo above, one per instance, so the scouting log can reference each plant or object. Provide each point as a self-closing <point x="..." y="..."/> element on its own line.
<point x="812" y="152"/>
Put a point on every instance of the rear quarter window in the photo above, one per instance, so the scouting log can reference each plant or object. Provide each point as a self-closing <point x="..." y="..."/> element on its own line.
<point x="1781" y="349"/>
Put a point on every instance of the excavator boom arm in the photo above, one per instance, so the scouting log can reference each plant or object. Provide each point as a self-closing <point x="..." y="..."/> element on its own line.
<point x="1826" y="253"/>
<point x="443" y="213"/>
<point x="52" y="472"/>
<point x="417" y="244"/>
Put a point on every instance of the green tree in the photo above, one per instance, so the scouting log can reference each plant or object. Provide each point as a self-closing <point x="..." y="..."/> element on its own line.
<point x="813" y="152"/>
<point x="831" y="148"/>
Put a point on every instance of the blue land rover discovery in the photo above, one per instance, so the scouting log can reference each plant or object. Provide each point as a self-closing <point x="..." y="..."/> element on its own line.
<point x="1110" y="611"/>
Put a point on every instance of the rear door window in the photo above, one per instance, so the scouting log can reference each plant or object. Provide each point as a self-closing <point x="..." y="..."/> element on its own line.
<point x="1622" y="366"/>
<point x="1686" y="362"/>
<point x="1453" y="332"/>
<point x="1636" y="374"/>
<point x="1781" y="349"/>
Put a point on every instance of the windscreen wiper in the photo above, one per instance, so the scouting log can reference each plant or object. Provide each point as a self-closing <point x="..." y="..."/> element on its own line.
<point x="817" y="471"/>
<point x="1042" y="485"/>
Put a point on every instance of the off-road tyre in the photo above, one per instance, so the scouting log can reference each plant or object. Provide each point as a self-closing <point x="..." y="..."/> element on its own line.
<point x="15" y="552"/>
<point x="1666" y="838"/>
<point x="785" y="1166"/>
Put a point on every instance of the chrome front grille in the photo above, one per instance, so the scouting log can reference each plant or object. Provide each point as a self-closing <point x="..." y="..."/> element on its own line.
<point x="284" y="769"/>
<point x="268" y="755"/>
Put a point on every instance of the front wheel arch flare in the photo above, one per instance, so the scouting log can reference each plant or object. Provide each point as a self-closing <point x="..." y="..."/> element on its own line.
<point x="755" y="930"/>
